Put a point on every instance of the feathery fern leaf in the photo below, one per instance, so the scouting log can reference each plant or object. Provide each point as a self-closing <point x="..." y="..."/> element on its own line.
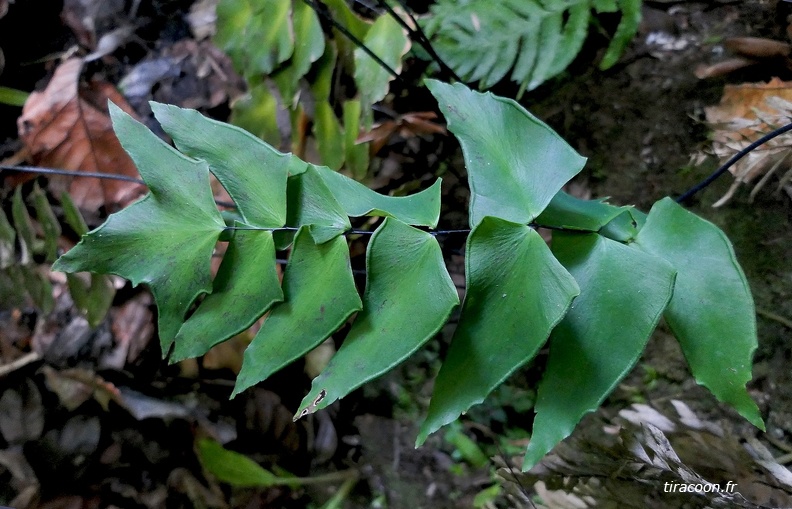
<point x="535" y="39"/>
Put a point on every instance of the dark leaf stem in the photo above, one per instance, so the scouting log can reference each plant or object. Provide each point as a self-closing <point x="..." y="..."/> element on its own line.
<point x="417" y="34"/>
<point x="341" y="28"/>
<point x="681" y="199"/>
<point x="731" y="162"/>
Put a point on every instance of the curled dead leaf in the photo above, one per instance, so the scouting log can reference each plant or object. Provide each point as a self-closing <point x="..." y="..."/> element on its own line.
<point x="418" y="123"/>
<point x="758" y="47"/>
<point x="67" y="126"/>
<point x="133" y="329"/>
<point x="745" y="113"/>
<point x="75" y="386"/>
<point x="722" y="68"/>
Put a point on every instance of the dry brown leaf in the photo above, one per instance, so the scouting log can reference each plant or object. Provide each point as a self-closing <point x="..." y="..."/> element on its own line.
<point x="133" y="329"/>
<point x="757" y="47"/>
<point x="722" y="68"/>
<point x="21" y="414"/>
<point x="418" y="123"/>
<point x="745" y="113"/>
<point x="143" y="407"/>
<point x="76" y="386"/>
<point x="203" y="19"/>
<point x="87" y="17"/>
<point x="228" y="354"/>
<point x="67" y="126"/>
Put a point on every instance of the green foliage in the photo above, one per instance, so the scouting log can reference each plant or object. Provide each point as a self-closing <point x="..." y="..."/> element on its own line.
<point x="598" y="342"/>
<point x="237" y="469"/>
<point x="279" y="47"/>
<point x="23" y="280"/>
<point x="319" y="297"/>
<point x="13" y="97"/>
<point x="717" y="334"/>
<point x="164" y="240"/>
<point x="483" y="40"/>
<point x="510" y="273"/>
<point x="597" y="295"/>
<point x="385" y="39"/>
<point x="406" y="278"/>
<point x="512" y="174"/>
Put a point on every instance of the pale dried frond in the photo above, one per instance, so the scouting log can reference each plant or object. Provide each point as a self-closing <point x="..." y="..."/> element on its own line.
<point x="745" y="113"/>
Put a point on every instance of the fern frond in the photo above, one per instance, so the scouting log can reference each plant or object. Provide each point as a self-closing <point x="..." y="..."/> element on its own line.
<point x="535" y="39"/>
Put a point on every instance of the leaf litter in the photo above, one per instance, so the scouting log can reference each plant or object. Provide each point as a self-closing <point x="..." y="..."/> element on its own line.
<point x="67" y="126"/>
<point x="745" y="113"/>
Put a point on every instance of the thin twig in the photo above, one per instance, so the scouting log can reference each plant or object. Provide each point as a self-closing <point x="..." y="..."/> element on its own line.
<point x="23" y="361"/>
<point x="99" y="175"/>
<point x="784" y="459"/>
<point x="68" y="173"/>
<point x="90" y="174"/>
<point x="772" y="316"/>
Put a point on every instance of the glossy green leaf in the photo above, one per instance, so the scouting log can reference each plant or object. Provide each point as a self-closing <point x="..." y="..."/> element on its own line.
<point x="24" y="227"/>
<point x="252" y="172"/>
<point x="13" y="97"/>
<point x="602" y="337"/>
<point x="356" y="154"/>
<point x="257" y="113"/>
<point x="236" y="469"/>
<point x="711" y="312"/>
<point x="389" y="41"/>
<point x="329" y="136"/>
<point x="166" y="239"/>
<point x="622" y="228"/>
<point x="92" y="294"/>
<point x="348" y="19"/>
<point x="36" y="283"/>
<point x="516" y="293"/>
<point x="49" y="223"/>
<point x="7" y="240"/>
<point x="309" y="44"/>
<point x="325" y="66"/>
<point x="420" y="209"/>
<point x="72" y="215"/>
<point x="319" y="296"/>
<point x="511" y="273"/>
<point x="311" y="203"/>
<point x="245" y="287"/>
<point x="566" y="34"/>
<point x="625" y="32"/>
<point x="571" y="213"/>
<point x="257" y="34"/>
<point x="516" y="164"/>
<point x="233" y="18"/>
<point x="406" y="279"/>
<point x="11" y="281"/>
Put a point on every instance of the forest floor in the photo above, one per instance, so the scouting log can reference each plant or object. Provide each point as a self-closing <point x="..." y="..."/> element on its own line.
<point x="97" y="419"/>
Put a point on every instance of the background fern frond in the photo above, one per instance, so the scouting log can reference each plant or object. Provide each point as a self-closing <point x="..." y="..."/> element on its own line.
<point x="482" y="40"/>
